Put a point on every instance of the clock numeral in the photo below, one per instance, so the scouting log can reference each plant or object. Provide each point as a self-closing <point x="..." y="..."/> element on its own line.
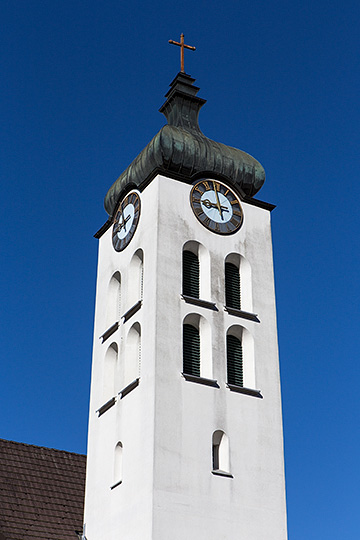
<point x="233" y="221"/>
<point x="229" y="229"/>
<point x="196" y="188"/>
<point x="217" y="186"/>
<point x="207" y="186"/>
<point x="206" y="221"/>
<point x="237" y="213"/>
<point x="234" y="202"/>
<point x="226" y="192"/>
<point x="217" y="228"/>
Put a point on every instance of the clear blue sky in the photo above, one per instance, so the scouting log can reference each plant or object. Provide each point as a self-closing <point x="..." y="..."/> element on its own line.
<point x="81" y="86"/>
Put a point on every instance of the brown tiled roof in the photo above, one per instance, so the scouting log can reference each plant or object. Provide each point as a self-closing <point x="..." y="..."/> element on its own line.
<point x="41" y="492"/>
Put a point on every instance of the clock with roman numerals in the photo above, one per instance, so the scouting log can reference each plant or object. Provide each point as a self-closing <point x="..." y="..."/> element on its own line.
<point x="126" y="221"/>
<point x="216" y="206"/>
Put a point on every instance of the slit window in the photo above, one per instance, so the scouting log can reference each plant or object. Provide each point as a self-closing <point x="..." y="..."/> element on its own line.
<point x="232" y="286"/>
<point x="234" y="352"/>
<point x="191" y="274"/>
<point x="191" y="350"/>
<point x="220" y="452"/>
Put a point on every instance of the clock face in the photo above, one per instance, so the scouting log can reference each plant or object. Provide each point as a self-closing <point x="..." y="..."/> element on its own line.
<point x="216" y="206"/>
<point x="126" y="221"/>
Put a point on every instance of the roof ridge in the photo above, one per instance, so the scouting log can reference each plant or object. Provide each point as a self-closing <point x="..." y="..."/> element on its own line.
<point x="43" y="447"/>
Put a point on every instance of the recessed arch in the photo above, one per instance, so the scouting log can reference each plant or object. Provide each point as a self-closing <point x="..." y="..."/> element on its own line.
<point x="136" y="278"/>
<point x="132" y="358"/>
<point x="197" y="348"/>
<point x="113" y="304"/>
<point x="238" y="286"/>
<point x="110" y="371"/>
<point x="240" y="357"/>
<point x="196" y="270"/>
<point x="118" y="464"/>
<point x="220" y="452"/>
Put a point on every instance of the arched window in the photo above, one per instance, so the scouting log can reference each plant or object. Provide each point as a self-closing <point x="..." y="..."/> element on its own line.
<point x="196" y="271"/>
<point x="118" y="465"/>
<point x="191" y="350"/>
<point x="109" y="372"/>
<point x="220" y="452"/>
<point x="197" y="348"/>
<point x="132" y="354"/>
<point x="191" y="274"/>
<point x="240" y="357"/>
<point x="232" y="286"/>
<point x="136" y="278"/>
<point x="113" y="306"/>
<point x="238" y="286"/>
<point x="234" y="356"/>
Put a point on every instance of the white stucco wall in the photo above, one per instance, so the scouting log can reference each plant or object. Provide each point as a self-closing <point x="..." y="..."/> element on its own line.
<point x="166" y="423"/>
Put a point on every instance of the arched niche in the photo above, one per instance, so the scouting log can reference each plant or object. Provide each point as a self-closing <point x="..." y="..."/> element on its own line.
<point x="135" y="278"/>
<point x="113" y="303"/>
<point x="203" y="257"/>
<point x="248" y="360"/>
<point x="132" y="358"/>
<point x="202" y="357"/>
<point x="220" y="452"/>
<point x="118" y="464"/>
<point x="238" y="285"/>
<point x="110" y="371"/>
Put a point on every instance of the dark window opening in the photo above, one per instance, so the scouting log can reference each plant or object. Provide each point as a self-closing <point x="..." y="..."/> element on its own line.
<point x="234" y="361"/>
<point x="191" y="350"/>
<point x="191" y="274"/>
<point x="232" y="286"/>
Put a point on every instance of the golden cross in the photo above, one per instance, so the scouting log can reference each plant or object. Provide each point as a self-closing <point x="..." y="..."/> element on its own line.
<point x="182" y="47"/>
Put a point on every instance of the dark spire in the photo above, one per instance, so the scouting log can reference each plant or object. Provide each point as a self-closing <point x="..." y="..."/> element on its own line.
<point x="180" y="150"/>
<point x="182" y="106"/>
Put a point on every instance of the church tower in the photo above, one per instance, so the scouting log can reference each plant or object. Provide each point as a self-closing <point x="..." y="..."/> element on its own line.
<point x="185" y="428"/>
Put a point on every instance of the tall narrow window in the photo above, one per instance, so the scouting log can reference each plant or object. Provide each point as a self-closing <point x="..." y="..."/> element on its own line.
<point x="109" y="372"/>
<point x="132" y="354"/>
<point x="136" y="278"/>
<point x="232" y="286"/>
<point x="191" y="350"/>
<point x="118" y="465"/>
<point x="113" y="300"/>
<point x="234" y="352"/>
<point x="191" y="274"/>
<point x="220" y="452"/>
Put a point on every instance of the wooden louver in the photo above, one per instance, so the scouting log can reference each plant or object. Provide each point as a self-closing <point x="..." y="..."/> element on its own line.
<point x="191" y="350"/>
<point x="234" y="361"/>
<point x="232" y="286"/>
<point x="191" y="274"/>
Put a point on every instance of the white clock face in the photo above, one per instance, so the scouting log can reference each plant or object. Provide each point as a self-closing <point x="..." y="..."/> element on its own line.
<point x="216" y="206"/>
<point x="126" y="221"/>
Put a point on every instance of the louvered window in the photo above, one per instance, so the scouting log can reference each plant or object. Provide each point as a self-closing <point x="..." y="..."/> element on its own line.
<point x="191" y="350"/>
<point x="191" y="274"/>
<point x="234" y="361"/>
<point x="232" y="286"/>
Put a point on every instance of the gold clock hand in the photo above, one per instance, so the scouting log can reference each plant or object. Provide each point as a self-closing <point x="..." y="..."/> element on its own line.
<point x="208" y="204"/>
<point x="219" y="207"/>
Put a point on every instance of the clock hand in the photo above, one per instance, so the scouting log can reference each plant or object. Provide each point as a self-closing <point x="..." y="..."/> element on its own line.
<point x="219" y="207"/>
<point x="126" y="220"/>
<point x="122" y="223"/>
<point x="208" y="204"/>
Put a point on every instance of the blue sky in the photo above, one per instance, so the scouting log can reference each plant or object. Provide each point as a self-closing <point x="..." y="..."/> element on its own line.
<point x="81" y="86"/>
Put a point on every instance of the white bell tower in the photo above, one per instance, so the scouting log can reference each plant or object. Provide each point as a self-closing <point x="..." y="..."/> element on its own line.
<point x="185" y="427"/>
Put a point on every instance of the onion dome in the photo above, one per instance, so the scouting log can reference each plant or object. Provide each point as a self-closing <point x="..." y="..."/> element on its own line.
<point x="180" y="150"/>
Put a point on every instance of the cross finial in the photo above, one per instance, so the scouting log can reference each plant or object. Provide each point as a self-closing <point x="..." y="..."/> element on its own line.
<point x="182" y="47"/>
